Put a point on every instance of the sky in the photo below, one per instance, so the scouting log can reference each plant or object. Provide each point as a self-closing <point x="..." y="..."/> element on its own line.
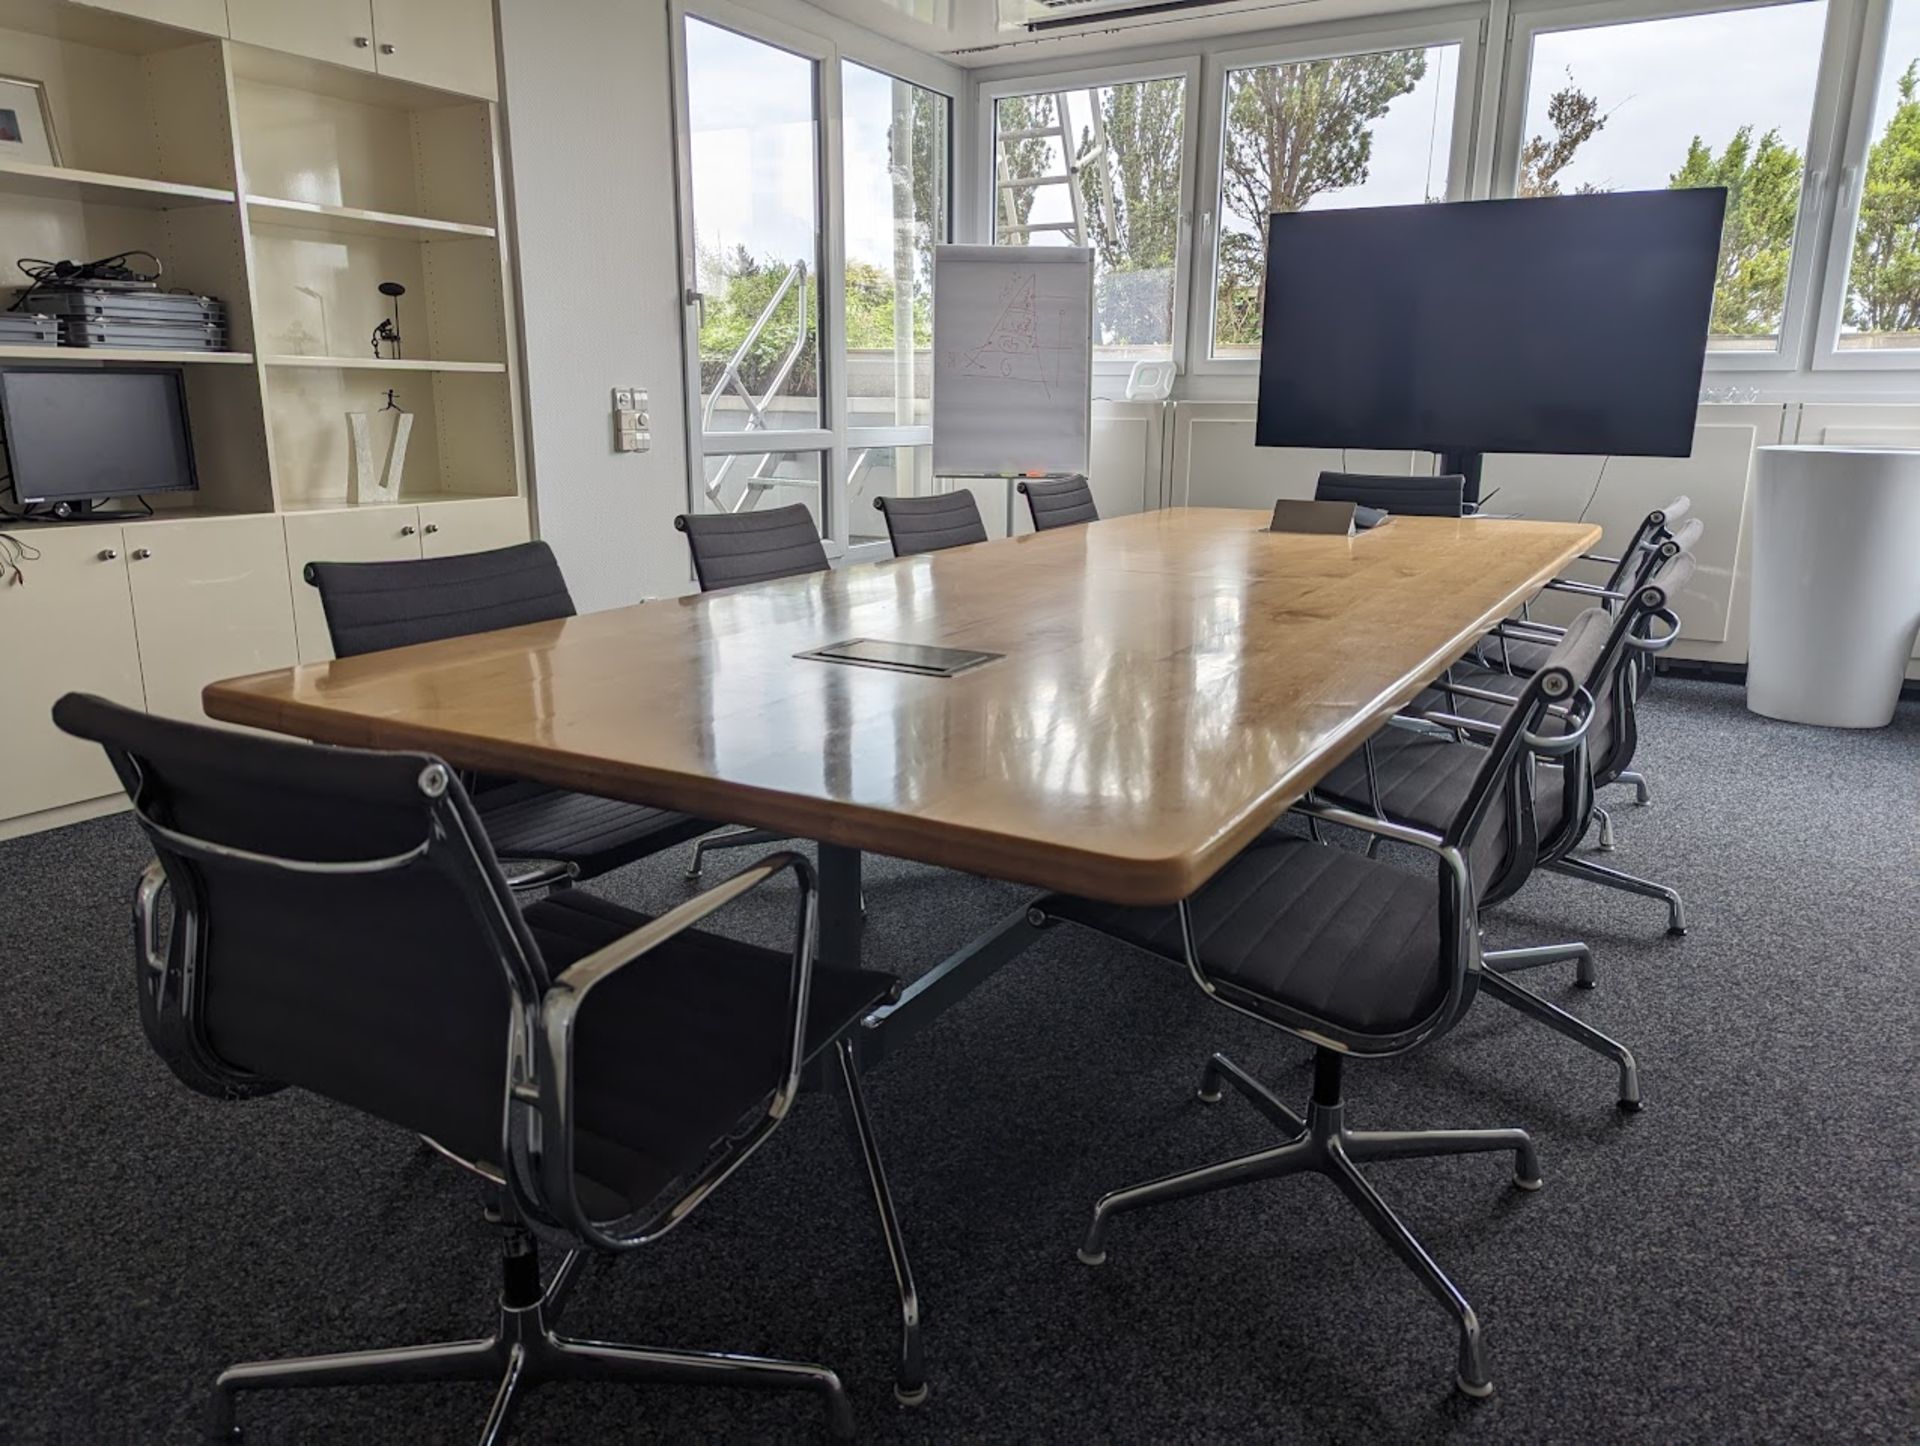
<point x="1662" y="82"/>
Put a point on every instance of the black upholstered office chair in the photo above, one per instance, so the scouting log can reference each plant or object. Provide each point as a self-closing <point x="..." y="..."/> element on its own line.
<point x="1519" y="644"/>
<point x="738" y="549"/>
<point x="931" y="524"/>
<point x="1356" y="957"/>
<point x="1645" y="626"/>
<point x="1440" y="496"/>
<point x="339" y="925"/>
<point x="1059" y="502"/>
<point x="373" y="606"/>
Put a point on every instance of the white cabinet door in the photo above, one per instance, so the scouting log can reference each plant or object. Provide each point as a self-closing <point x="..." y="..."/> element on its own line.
<point x="210" y="601"/>
<point x="443" y="43"/>
<point x="339" y="31"/>
<point x="363" y="534"/>
<point x="207" y="16"/>
<point x="447" y="528"/>
<point x="68" y="628"/>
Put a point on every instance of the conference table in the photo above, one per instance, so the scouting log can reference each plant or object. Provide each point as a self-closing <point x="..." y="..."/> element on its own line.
<point x="1165" y="685"/>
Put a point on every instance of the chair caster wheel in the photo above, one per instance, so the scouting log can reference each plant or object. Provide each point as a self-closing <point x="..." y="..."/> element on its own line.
<point x="1207" y="1097"/>
<point x="1534" y="1184"/>
<point x="1479" y="1390"/>
<point x="1099" y="1257"/>
<point x="916" y="1397"/>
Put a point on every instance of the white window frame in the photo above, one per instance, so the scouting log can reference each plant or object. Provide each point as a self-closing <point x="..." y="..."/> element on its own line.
<point x="825" y="48"/>
<point x="1805" y="282"/>
<point x="1876" y="30"/>
<point x="1462" y="28"/>
<point x="988" y="94"/>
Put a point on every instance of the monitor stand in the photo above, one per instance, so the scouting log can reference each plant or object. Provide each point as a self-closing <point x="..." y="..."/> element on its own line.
<point x="1467" y="464"/>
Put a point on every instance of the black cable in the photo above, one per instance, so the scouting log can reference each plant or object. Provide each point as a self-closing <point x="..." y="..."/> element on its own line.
<point x="1596" y="488"/>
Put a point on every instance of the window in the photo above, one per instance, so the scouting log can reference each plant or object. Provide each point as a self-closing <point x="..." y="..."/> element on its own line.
<point x="1350" y="130"/>
<point x="1882" y="305"/>
<point x="1721" y="99"/>
<point x="752" y="142"/>
<point x="1102" y="166"/>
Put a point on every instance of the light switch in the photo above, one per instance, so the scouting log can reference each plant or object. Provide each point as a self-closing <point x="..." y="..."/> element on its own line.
<point x="632" y="426"/>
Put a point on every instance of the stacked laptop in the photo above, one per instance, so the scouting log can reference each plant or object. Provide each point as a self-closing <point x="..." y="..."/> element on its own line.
<point x="141" y="320"/>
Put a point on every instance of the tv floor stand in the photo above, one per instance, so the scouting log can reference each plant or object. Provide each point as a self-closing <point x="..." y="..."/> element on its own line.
<point x="1467" y="464"/>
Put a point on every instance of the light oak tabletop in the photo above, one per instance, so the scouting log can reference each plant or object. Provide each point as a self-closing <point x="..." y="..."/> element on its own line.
<point x="1171" y="682"/>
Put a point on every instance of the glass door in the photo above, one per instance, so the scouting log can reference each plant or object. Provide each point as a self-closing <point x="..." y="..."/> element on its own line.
<point x="761" y="433"/>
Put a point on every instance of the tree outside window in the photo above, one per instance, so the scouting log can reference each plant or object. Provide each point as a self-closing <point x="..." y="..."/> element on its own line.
<point x="1883" y="282"/>
<point x="1353" y="130"/>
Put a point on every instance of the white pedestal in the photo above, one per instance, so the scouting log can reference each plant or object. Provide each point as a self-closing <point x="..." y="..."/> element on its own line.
<point x="1836" y="583"/>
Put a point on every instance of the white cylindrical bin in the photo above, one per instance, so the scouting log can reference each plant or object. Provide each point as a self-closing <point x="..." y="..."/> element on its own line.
<point x="1836" y="583"/>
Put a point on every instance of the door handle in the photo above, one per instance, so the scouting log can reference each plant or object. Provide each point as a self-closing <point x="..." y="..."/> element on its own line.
<point x="385" y="49"/>
<point x="431" y="528"/>
<point x="141" y="554"/>
<point x="361" y="42"/>
<point x="407" y="531"/>
<point x="109" y="554"/>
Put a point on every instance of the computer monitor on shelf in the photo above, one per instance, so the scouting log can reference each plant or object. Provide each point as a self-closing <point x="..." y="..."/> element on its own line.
<point x="77" y="435"/>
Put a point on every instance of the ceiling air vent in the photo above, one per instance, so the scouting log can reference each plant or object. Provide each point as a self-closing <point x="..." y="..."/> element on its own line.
<point x="1040" y="16"/>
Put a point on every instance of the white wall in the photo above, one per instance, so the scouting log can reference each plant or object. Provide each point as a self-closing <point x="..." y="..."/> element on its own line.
<point x="589" y="127"/>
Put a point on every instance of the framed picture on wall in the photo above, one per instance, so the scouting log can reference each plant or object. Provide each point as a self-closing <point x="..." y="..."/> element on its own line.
<point x="26" y="122"/>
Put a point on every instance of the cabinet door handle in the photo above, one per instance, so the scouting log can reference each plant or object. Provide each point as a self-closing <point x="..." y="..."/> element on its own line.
<point x="141" y="554"/>
<point x="385" y="49"/>
<point x="431" y="527"/>
<point x="407" y="531"/>
<point x="361" y="42"/>
<point x="109" y="554"/>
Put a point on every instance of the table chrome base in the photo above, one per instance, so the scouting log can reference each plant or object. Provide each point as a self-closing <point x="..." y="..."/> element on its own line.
<point x="524" y="1352"/>
<point x="1322" y="1144"/>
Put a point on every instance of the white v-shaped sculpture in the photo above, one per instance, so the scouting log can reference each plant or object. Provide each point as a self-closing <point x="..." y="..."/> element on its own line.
<point x="363" y="483"/>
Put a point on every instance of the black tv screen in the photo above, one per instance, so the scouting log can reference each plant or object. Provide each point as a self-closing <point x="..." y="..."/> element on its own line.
<point x="1572" y="324"/>
<point x="79" y="434"/>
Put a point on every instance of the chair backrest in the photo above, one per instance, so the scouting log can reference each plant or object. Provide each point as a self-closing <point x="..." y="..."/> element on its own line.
<point x="1655" y="528"/>
<point x="1612" y="753"/>
<point x="931" y="524"/>
<point x="373" y="606"/>
<point x="1059" y="502"/>
<point x="339" y="924"/>
<point x="1441" y="496"/>
<point x="735" y="549"/>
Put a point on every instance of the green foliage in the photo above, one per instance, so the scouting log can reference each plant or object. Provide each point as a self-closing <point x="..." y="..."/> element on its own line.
<point x="1884" y="294"/>
<point x="1575" y="117"/>
<point x="1756" y="246"/>
<point x="1293" y="132"/>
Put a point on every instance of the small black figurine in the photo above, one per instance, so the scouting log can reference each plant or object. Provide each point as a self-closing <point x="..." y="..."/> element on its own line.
<point x="389" y="330"/>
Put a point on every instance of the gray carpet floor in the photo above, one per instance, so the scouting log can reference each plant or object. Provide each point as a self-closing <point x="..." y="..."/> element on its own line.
<point x="1740" y="1262"/>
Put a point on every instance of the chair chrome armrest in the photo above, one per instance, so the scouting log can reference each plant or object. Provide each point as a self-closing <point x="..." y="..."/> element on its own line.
<point x="1600" y="557"/>
<point x="1487" y="695"/>
<point x="1526" y="630"/>
<point x="549" y="1088"/>
<point x="1660" y="643"/>
<point x="1479" y="727"/>
<point x="1585" y="589"/>
<point x="1367" y="823"/>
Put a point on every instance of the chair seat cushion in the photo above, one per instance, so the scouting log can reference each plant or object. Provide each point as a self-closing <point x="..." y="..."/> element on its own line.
<point x="1324" y="933"/>
<point x="532" y="821"/>
<point x="674" y="1051"/>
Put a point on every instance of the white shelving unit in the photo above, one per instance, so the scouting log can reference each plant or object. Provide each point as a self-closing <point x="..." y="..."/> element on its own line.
<point x="289" y="177"/>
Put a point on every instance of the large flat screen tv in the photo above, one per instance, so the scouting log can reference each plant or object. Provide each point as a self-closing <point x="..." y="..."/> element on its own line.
<point x="77" y="435"/>
<point x="1571" y="324"/>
